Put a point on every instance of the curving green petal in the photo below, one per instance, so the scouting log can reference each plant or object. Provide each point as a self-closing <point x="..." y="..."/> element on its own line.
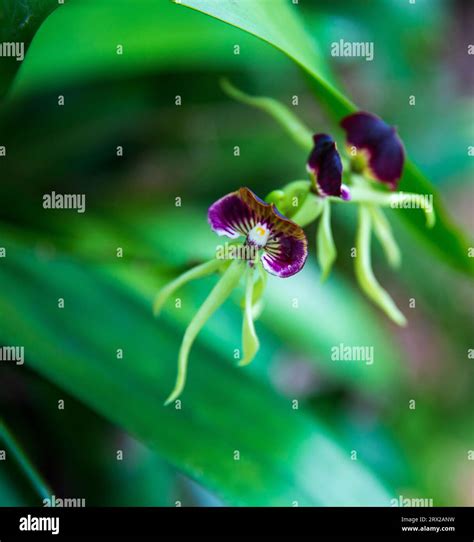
<point x="197" y="272"/>
<point x="221" y="291"/>
<point x="250" y="342"/>
<point x="384" y="234"/>
<point x="326" y="248"/>
<point x="364" y="273"/>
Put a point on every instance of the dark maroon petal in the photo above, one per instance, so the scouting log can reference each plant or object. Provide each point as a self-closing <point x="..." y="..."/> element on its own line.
<point x="243" y="213"/>
<point x="231" y="216"/>
<point x="286" y="254"/>
<point x="380" y="141"/>
<point x="325" y="164"/>
<point x="286" y="249"/>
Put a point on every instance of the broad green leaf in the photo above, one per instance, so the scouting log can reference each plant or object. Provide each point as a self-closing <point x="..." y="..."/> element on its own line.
<point x="277" y="22"/>
<point x="285" y="455"/>
<point x="9" y="493"/>
<point x="153" y="36"/>
<point x="26" y="466"/>
<point x="21" y="18"/>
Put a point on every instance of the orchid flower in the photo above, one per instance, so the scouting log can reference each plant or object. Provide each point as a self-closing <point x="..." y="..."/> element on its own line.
<point x="271" y="243"/>
<point x="269" y="234"/>
<point x="376" y="154"/>
<point x="379" y="150"/>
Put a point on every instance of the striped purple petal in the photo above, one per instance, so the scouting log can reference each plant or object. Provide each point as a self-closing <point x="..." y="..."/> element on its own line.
<point x="286" y="253"/>
<point x="242" y="213"/>
<point x="231" y="216"/>
<point x="381" y="142"/>
<point x="325" y="164"/>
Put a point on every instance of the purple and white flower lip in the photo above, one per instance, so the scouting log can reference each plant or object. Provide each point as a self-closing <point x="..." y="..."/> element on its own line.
<point x="324" y="163"/>
<point x="385" y="153"/>
<point x="283" y="242"/>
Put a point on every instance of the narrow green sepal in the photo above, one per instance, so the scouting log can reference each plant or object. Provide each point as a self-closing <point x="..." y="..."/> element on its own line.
<point x="250" y="342"/>
<point x="383" y="232"/>
<point x="364" y="273"/>
<point x="197" y="272"/>
<point x="309" y="211"/>
<point x="260" y="284"/>
<point x="221" y="291"/>
<point x="395" y="200"/>
<point x="326" y="248"/>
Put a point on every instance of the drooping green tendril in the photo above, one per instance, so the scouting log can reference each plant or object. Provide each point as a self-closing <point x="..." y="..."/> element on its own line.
<point x="282" y="114"/>
<point x="395" y="200"/>
<point x="384" y="234"/>
<point x="364" y="273"/>
<point x="221" y="291"/>
<point x="326" y="248"/>
<point x="202" y="270"/>
<point x="250" y="342"/>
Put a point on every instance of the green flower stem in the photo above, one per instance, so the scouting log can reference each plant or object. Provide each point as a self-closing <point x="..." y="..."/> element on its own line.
<point x="35" y="479"/>
<point x="199" y="271"/>
<point x="282" y="114"/>
<point x="221" y="291"/>
<point x="364" y="273"/>
<point x="393" y="199"/>
<point x="250" y="343"/>
<point x="384" y="234"/>
<point x="326" y="248"/>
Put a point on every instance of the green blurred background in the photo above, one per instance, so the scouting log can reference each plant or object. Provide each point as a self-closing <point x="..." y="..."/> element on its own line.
<point x="287" y="455"/>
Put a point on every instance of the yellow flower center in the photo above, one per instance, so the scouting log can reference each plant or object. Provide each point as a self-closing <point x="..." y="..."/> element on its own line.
<point x="258" y="235"/>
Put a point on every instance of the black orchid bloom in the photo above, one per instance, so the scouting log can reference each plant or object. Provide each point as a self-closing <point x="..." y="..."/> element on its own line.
<point x="379" y="145"/>
<point x="325" y="166"/>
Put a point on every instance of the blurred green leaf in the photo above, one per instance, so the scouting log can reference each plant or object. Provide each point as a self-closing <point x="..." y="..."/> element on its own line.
<point x="276" y="23"/>
<point x="9" y="493"/>
<point x="155" y="35"/>
<point x="23" y="461"/>
<point x="285" y="455"/>
<point x="20" y="17"/>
